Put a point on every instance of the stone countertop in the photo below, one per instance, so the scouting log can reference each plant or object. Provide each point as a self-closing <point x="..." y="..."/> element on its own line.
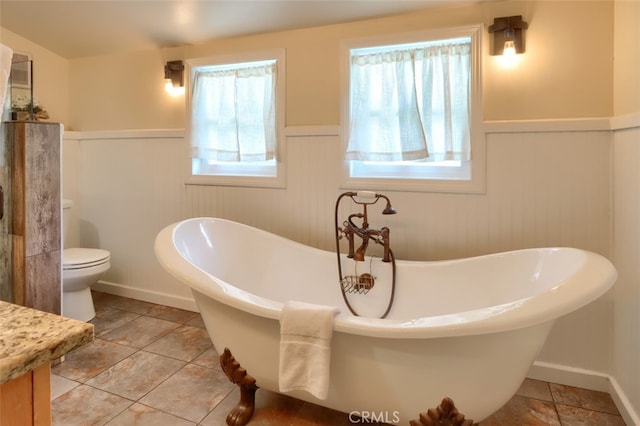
<point x="30" y="338"/>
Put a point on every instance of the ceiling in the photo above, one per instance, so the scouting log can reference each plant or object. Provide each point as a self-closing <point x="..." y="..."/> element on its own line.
<point x="79" y="28"/>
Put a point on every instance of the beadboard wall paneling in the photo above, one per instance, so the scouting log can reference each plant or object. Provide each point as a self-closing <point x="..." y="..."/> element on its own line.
<point x="544" y="188"/>
<point x="626" y="330"/>
<point x="127" y="190"/>
<point x="303" y="212"/>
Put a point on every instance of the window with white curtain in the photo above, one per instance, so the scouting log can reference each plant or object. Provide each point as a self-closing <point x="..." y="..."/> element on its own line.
<point x="235" y="119"/>
<point x="412" y="112"/>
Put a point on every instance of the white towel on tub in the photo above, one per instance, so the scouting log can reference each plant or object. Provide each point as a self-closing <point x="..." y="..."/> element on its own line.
<point x="305" y="347"/>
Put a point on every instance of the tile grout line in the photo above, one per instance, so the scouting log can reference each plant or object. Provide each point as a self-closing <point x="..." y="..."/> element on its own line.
<point x="555" y="406"/>
<point x="142" y="349"/>
<point x="208" y="363"/>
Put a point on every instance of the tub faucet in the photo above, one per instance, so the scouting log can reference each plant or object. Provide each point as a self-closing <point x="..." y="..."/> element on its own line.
<point x="364" y="232"/>
<point x="362" y="283"/>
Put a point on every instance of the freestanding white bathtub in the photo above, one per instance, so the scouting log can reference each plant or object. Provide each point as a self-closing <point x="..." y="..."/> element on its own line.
<point x="466" y="329"/>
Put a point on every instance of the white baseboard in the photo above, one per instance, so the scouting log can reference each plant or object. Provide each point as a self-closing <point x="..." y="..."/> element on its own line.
<point x="570" y="376"/>
<point x="586" y="379"/>
<point x="159" y="298"/>
<point x="630" y="416"/>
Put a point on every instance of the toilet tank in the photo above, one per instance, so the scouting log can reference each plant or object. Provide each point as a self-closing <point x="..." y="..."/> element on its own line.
<point x="66" y="219"/>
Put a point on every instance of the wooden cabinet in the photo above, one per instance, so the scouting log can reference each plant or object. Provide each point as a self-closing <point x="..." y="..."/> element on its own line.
<point x="26" y="400"/>
<point x="30" y="340"/>
<point x="33" y="156"/>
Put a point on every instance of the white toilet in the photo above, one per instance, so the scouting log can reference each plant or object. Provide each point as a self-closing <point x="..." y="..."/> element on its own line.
<point x="81" y="267"/>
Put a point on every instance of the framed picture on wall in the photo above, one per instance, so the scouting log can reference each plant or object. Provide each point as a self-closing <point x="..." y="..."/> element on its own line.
<point x="21" y="70"/>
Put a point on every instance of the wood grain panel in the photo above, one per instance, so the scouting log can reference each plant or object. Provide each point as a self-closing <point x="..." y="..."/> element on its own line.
<point x="16" y="134"/>
<point x="36" y="214"/>
<point x="42" y="395"/>
<point x="18" y="270"/>
<point x="26" y="400"/>
<point x="43" y="289"/>
<point x="16" y="401"/>
<point x="42" y="188"/>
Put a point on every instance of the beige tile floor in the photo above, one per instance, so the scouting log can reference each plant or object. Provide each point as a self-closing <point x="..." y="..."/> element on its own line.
<point x="155" y="365"/>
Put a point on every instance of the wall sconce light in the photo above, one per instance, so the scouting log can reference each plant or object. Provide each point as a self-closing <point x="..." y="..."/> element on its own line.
<point x="173" y="75"/>
<point x="508" y="35"/>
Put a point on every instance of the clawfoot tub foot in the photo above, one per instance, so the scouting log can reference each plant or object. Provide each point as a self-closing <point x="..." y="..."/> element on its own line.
<point x="241" y="413"/>
<point x="446" y="414"/>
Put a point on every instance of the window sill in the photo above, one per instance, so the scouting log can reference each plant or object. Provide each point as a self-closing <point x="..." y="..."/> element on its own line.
<point x="238" y="181"/>
<point x="474" y="186"/>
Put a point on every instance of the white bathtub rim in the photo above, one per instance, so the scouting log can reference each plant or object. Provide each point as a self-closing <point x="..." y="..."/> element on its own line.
<point x="529" y="311"/>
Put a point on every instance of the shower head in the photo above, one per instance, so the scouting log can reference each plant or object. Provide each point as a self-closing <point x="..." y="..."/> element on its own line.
<point x="388" y="208"/>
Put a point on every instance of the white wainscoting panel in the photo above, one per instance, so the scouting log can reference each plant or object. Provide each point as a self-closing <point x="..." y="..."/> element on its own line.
<point x="626" y="330"/>
<point x="545" y="187"/>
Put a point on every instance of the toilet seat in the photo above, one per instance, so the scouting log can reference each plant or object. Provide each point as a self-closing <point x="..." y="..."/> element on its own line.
<point x="81" y="258"/>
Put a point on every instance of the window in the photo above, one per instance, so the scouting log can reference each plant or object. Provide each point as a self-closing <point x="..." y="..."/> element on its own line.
<point x="236" y="118"/>
<point x="412" y="112"/>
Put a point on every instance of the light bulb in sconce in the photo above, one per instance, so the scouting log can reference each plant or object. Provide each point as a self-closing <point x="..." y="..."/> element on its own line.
<point x="173" y="90"/>
<point x="509" y="49"/>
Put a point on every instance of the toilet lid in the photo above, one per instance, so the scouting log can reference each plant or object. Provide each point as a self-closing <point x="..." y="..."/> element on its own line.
<point x="76" y="258"/>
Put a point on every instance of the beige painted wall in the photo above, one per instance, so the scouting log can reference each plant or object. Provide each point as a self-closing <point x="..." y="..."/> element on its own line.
<point x="50" y="75"/>
<point x="627" y="57"/>
<point x="122" y="91"/>
<point x="567" y="71"/>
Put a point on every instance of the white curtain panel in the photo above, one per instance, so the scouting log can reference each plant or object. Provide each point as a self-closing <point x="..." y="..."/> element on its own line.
<point x="411" y="104"/>
<point x="233" y="114"/>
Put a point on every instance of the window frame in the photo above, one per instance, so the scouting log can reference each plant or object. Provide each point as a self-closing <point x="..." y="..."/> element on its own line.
<point x="475" y="168"/>
<point x="242" y="174"/>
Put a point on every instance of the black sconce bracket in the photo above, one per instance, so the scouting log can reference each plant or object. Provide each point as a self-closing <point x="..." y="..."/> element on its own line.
<point x="505" y="29"/>
<point x="173" y="71"/>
